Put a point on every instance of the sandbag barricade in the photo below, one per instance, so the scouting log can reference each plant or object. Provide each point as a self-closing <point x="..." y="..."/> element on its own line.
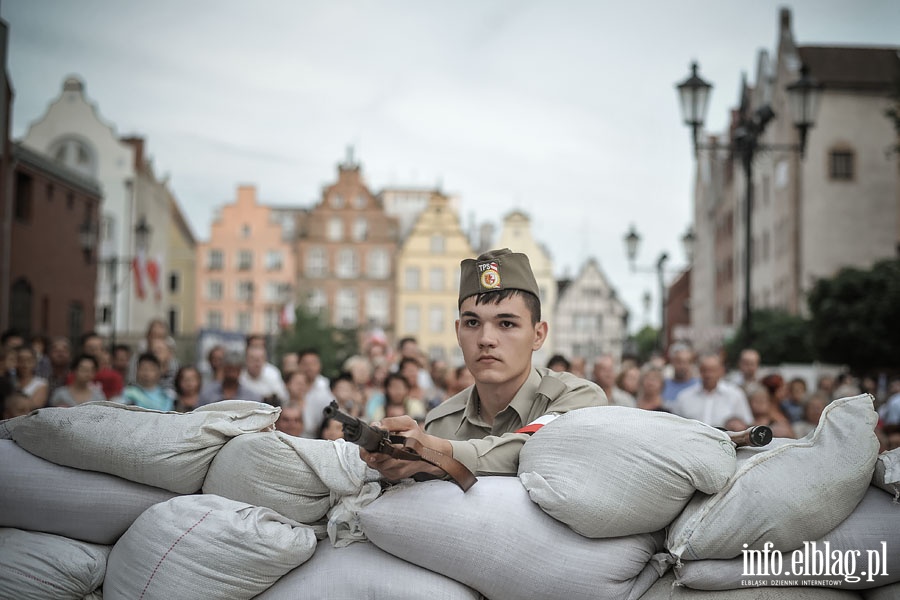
<point x="299" y="478"/>
<point x="494" y="539"/>
<point x="42" y="566"/>
<point x="167" y="450"/>
<point x="887" y="473"/>
<point x="865" y="548"/>
<point x="666" y="589"/>
<point x="205" y="546"/>
<point x="362" y="571"/>
<point x="39" y="495"/>
<point x="795" y="491"/>
<point x="611" y="471"/>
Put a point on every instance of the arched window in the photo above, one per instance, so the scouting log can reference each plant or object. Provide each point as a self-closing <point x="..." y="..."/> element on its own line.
<point x="76" y="153"/>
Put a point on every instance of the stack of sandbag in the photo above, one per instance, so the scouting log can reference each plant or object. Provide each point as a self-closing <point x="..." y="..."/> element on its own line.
<point x="610" y="471"/>
<point x="887" y="473"/>
<point x="495" y="540"/>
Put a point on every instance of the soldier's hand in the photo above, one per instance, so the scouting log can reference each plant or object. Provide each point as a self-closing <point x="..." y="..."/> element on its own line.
<point x="394" y="469"/>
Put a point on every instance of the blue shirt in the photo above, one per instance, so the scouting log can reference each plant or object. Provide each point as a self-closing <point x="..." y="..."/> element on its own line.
<point x="154" y="398"/>
<point x="672" y="388"/>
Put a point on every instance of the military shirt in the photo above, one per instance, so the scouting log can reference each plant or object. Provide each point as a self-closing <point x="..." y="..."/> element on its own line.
<point x="494" y="449"/>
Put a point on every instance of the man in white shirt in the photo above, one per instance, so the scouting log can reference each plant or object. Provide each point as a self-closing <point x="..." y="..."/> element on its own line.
<point x="713" y="401"/>
<point x="262" y="377"/>
<point x="319" y="394"/>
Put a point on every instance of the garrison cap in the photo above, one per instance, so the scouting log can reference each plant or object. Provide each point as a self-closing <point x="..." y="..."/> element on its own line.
<point x="496" y="270"/>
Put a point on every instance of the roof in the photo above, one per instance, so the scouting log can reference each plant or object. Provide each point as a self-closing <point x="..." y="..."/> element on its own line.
<point x="853" y="68"/>
<point x="47" y="165"/>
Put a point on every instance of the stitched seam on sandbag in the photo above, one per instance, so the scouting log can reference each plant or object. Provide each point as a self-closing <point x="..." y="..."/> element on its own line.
<point x="29" y="576"/>
<point x="175" y="543"/>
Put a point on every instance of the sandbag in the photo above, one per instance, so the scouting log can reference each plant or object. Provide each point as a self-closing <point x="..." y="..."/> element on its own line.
<point x="610" y="471"/>
<point x="205" y="546"/>
<point x="887" y="472"/>
<point x="42" y="566"/>
<point x="797" y="491"/>
<point x="300" y="478"/>
<point x="7" y="426"/>
<point x="38" y="495"/>
<point x="362" y="571"/>
<point x="494" y="539"/>
<point x="162" y="449"/>
<point x="665" y="589"/>
<point x="873" y="527"/>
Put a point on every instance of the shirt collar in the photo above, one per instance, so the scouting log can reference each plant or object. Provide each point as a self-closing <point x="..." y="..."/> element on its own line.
<point x="521" y="403"/>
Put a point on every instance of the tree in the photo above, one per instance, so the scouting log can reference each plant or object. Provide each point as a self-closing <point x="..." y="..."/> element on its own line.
<point x="856" y="316"/>
<point x="778" y="336"/>
<point x="334" y="345"/>
<point x="645" y="342"/>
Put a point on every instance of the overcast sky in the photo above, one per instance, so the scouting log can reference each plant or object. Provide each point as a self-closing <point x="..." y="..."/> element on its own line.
<point x="565" y="110"/>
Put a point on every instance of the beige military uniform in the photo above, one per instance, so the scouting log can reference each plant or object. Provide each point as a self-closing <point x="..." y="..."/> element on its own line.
<point x="494" y="449"/>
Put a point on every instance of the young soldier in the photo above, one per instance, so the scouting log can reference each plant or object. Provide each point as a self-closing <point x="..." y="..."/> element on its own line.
<point x="485" y="425"/>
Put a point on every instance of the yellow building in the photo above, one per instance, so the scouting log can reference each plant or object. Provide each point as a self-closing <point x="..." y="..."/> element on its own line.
<point x="428" y="280"/>
<point x="180" y="272"/>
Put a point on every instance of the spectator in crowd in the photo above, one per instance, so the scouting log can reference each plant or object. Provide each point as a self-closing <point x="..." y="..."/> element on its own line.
<point x="319" y="394"/>
<point x="681" y="358"/>
<point x="765" y="411"/>
<point x="629" y="379"/>
<point x="297" y="387"/>
<point x="578" y="367"/>
<point x="462" y="379"/>
<point x="290" y="421"/>
<point x="777" y="389"/>
<point x="650" y="389"/>
<point x="440" y="378"/>
<point x="408" y="348"/>
<point x="215" y="360"/>
<point x="846" y="386"/>
<point x="82" y="388"/>
<point x="330" y="429"/>
<point x="146" y="391"/>
<point x="6" y="385"/>
<point x="347" y="395"/>
<point x="825" y="384"/>
<point x="558" y="363"/>
<point x="712" y="401"/>
<point x="187" y="388"/>
<point x="39" y="344"/>
<point x="890" y="410"/>
<point x="27" y="382"/>
<point x="107" y="379"/>
<point x="11" y="341"/>
<point x="15" y="404"/>
<point x="60" y="363"/>
<point x="794" y="404"/>
<point x="290" y="362"/>
<point x="157" y="329"/>
<point x="812" y="413"/>
<point x="120" y="359"/>
<point x="360" y="371"/>
<point x="605" y="377"/>
<point x="164" y="351"/>
<point x="748" y="370"/>
<point x="397" y="399"/>
<point x="230" y="387"/>
<point x="262" y="377"/>
<point x="410" y="369"/>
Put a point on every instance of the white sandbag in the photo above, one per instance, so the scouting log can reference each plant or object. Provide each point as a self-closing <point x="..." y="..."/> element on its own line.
<point x="797" y="491"/>
<point x="665" y="589"/>
<point x="300" y="478"/>
<point x="362" y="571"/>
<point x="206" y="547"/>
<point x="41" y="566"/>
<point x="887" y="472"/>
<point x="7" y="426"/>
<point x="610" y="471"/>
<point x="494" y="539"/>
<point x="162" y="449"/>
<point x="38" y="495"/>
<point x="871" y="534"/>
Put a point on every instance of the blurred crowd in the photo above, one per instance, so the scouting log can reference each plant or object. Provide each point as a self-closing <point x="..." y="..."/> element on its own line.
<point x="386" y="381"/>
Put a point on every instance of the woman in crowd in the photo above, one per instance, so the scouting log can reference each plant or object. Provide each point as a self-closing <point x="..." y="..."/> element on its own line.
<point x="811" y="414"/>
<point x="331" y="430"/>
<point x="397" y="400"/>
<point x="794" y="404"/>
<point x="297" y="386"/>
<point x="82" y="388"/>
<point x="650" y="387"/>
<point x="27" y="382"/>
<point x="187" y="388"/>
<point x="766" y="412"/>
<point x="629" y="379"/>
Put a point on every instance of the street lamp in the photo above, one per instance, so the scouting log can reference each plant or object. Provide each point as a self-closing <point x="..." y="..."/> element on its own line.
<point x="632" y="242"/>
<point x="88" y="239"/>
<point x="803" y="98"/>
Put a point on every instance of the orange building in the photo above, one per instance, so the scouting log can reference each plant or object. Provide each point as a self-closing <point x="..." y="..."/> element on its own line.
<point x="245" y="271"/>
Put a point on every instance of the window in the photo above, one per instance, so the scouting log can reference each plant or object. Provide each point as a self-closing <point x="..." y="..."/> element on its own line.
<point x="337" y="201"/>
<point x="104" y="313"/>
<point x="316" y="263"/>
<point x="411" y="319"/>
<point x="245" y="231"/>
<point x="348" y="263"/>
<point x="214" y="289"/>
<point x="586" y="322"/>
<point x="377" y="306"/>
<point x="411" y="278"/>
<point x="438" y="244"/>
<point x="244" y="321"/>
<point x="436" y="279"/>
<point x="245" y="291"/>
<point x="840" y="165"/>
<point x="273" y="291"/>
<point x="274" y="260"/>
<point x="316" y="301"/>
<point x="360" y="229"/>
<point x="377" y="264"/>
<point x="335" y="231"/>
<point x="245" y="260"/>
<point x="214" y="258"/>
<point x="435" y="319"/>
<point x="173" y="320"/>
<point x="347" y="313"/>
<point x="174" y="282"/>
<point x="360" y="201"/>
<point x="271" y="320"/>
<point x="75" y="154"/>
<point x="23" y="198"/>
<point x="214" y="319"/>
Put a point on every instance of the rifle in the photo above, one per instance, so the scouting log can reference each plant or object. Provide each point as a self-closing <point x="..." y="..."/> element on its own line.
<point x="375" y="439"/>
<point x="756" y="436"/>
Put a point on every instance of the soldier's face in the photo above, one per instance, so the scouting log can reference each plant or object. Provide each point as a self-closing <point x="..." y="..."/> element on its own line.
<point x="497" y="340"/>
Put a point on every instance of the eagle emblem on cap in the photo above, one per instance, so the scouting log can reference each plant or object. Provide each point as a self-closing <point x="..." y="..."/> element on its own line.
<point x="490" y="275"/>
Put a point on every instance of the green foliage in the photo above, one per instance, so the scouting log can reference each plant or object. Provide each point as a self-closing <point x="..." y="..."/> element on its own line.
<point x="778" y="336"/>
<point x="856" y="316"/>
<point x="334" y="345"/>
<point x="645" y="342"/>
